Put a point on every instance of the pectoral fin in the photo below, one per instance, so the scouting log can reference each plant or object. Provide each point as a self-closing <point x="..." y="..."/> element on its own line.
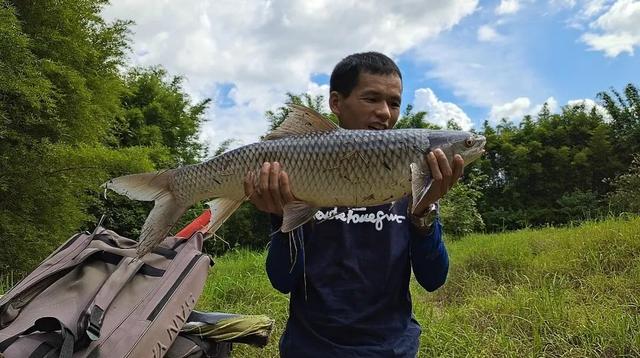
<point x="221" y="210"/>
<point x="296" y="214"/>
<point x="420" y="184"/>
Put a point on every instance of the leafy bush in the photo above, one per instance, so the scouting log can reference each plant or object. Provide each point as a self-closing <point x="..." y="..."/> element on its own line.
<point x="579" y="206"/>
<point x="459" y="211"/>
<point x="626" y="194"/>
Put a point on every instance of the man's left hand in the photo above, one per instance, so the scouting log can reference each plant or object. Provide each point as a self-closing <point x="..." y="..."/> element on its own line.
<point x="443" y="178"/>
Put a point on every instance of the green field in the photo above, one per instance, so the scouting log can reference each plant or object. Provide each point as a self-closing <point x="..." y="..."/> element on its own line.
<point x="571" y="292"/>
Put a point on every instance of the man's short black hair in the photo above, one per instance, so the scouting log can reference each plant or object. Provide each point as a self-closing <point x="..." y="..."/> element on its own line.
<point x="344" y="77"/>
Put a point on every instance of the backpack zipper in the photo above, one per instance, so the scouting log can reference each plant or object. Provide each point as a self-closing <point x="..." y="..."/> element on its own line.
<point x="173" y="288"/>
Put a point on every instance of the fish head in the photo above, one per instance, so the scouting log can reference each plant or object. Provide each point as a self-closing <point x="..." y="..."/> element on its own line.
<point x="470" y="146"/>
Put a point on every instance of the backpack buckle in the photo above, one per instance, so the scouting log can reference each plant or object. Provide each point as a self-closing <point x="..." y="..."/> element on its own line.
<point x="95" y="323"/>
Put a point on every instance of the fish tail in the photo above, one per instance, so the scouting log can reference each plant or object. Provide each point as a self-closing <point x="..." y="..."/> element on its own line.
<point x="166" y="211"/>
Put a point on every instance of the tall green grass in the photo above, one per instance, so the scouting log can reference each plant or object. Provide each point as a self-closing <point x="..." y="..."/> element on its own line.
<point x="571" y="292"/>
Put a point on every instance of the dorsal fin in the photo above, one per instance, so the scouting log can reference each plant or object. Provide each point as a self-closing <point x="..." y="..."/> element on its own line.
<point x="301" y="120"/>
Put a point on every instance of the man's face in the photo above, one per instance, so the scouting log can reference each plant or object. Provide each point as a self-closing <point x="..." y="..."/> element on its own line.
<point x="373" y="104"/>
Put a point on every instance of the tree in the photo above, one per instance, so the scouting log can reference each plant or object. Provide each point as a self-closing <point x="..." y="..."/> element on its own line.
<point x="625" y="114"/>
<point x="547" y="170"/>
<point x="158" y="113"/>
<point x="69" y="121"/>
<point x="59" y="92"/>
<point x="409" y="119"/>
<point x="459" y="209"/>
<point x="625" y="198"/>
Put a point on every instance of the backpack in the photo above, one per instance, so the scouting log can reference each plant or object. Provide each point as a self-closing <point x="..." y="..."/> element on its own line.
<point x="92" y="298"/>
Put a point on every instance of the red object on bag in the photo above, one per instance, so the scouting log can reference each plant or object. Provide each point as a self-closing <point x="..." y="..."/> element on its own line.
<point x="196" y="225"/>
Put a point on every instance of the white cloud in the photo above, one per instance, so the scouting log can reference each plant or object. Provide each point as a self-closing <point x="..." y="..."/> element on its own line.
<point x="588" y="105"/>
<point x="561" y="4"/>
<point x="520" y="107"/>
<point x="552" y="106"/>
<point x="594" y="7"/>
<point x="507" y="7"/>
<point x="617" y="30"/>
<point x="479" y="73"/>
<point x="511" y="110"/>
<point x="266" y="48"/>
<point x="487" y="33"/>
<point x="315" y="90"/>
<point x="439" y="112"/>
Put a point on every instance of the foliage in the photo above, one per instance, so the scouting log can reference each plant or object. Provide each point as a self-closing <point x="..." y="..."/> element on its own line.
<point x="50" y="190"/>
<point x="409" y="119"/>
<point x="59" y="90"/>
<point x="579" y="206"/>
<point x="157" y="112"/>
<point x="69" y="121"/>
<point x="459" y="211"/>
<point x="624" y="110"/>
<point x="625" y="196"/>
<point x="532" y="168"/>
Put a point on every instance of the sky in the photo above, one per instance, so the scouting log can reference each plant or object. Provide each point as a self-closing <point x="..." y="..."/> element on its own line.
<point x="467" y="60"/>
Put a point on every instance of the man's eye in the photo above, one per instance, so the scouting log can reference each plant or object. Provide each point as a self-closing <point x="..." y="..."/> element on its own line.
<point x="370" y="99"/>
<point x="395" y="104"/>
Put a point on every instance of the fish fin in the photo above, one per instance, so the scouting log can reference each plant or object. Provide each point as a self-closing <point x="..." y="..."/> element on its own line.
<point x="166" y="211"/>
<point x="143" y="186"/>
<point x="164" y="215"/>
<point x="419" y="184"/>
<point x="221" y="210"/>
<point x="296" y="214"/>
<point x="301" y="120"/>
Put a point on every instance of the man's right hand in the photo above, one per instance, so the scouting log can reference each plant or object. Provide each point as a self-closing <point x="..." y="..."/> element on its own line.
<point x="271" y="191"/>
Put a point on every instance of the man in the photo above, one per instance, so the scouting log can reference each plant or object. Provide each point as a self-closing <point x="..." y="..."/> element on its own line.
<point x="349" y="279"/>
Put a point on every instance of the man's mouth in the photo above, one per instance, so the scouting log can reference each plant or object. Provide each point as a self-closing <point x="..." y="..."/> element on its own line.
<point x="377" y="127"/>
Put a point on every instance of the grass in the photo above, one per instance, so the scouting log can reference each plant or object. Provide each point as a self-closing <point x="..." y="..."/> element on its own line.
<point x="570" y="292"/>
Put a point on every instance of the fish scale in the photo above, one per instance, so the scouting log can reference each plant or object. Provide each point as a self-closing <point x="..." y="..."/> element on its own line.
<point x="327" y="166"/>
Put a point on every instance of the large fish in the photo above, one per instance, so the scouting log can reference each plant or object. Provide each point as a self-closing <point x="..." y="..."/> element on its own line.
<point x="327" y="166"/>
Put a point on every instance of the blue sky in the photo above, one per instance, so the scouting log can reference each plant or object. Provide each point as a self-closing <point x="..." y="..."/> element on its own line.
<point x="465" y="60"/>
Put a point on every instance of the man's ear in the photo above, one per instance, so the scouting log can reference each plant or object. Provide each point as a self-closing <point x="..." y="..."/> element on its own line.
<point x="335" y="101"/>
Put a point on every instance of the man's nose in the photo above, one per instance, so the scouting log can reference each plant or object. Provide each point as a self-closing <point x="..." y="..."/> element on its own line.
<point x="383" y="112"/>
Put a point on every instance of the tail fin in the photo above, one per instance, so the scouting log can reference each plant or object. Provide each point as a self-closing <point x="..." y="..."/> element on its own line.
<point x="166" y="211"/>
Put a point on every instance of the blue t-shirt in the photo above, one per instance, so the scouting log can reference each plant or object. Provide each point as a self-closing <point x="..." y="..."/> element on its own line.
<point x="348" y="275"/>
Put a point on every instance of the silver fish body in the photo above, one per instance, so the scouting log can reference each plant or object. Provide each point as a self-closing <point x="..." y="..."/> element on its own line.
<point x="327" y="166"/>
<point x="341" y="168"/>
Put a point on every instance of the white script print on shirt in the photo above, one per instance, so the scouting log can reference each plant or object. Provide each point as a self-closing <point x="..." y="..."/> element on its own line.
<point x="351" y="216"/>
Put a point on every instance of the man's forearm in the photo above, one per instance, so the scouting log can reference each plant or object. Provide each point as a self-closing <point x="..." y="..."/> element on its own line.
<point x="429" y="257"/>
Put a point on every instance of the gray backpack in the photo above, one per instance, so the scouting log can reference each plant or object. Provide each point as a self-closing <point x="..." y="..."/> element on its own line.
<point x="91" y="298"/>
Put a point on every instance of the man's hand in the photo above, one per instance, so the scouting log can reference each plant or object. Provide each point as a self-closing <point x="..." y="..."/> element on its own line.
<point x="272" y="191"/>
<point x="443" y="178"/>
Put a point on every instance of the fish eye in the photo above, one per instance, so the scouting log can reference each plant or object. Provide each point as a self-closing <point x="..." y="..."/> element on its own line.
<point x="469" y="142"/>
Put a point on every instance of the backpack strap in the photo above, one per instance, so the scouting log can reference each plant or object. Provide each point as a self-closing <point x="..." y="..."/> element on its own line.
<point x="46" y="324"/>
<point x="127" y="268"/>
